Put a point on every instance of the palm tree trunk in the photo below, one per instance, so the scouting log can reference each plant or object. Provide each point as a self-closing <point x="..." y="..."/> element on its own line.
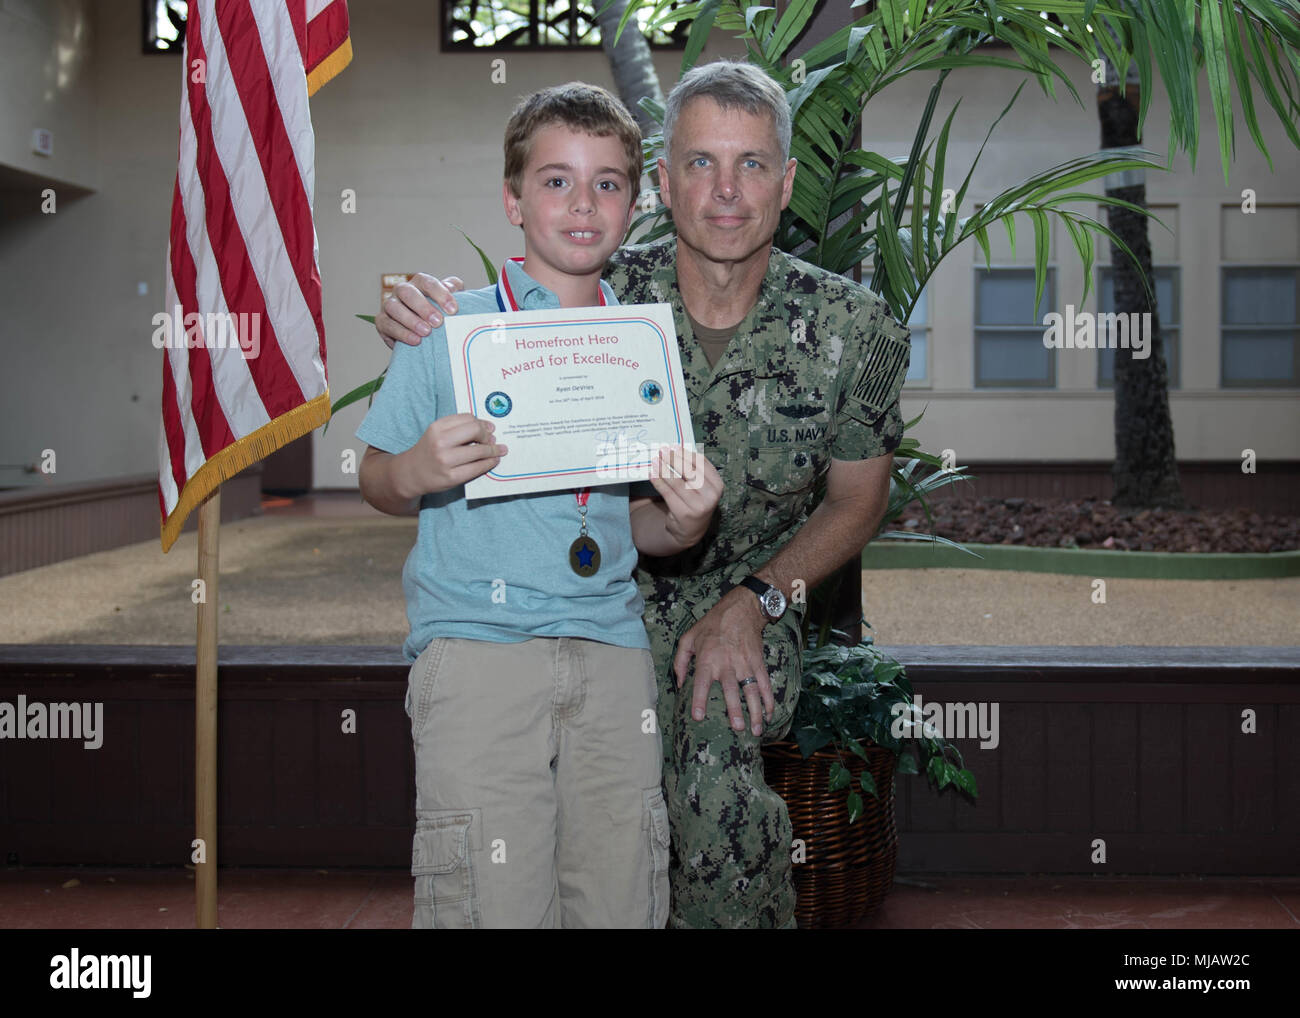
<point x="630" y="62"/>
<point x="1146" y="470"/>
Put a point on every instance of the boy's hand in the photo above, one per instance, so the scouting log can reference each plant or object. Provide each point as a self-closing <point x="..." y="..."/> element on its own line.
<point x="690" y="487"/>
<point x="405" y="316"/>
<point x="451" y="451"/>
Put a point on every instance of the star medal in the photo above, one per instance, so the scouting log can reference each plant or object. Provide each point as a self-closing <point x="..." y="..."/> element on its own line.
<point x="584" y="553"/>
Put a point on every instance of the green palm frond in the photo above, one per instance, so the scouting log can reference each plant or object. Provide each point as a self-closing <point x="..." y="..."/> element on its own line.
<point x="484" y="260"/>
<point x="1240" y="45"/>
<point x="364" y="391"/>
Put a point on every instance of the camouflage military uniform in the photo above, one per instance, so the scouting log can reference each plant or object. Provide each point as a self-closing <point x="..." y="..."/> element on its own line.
<point x="813" y="372"/>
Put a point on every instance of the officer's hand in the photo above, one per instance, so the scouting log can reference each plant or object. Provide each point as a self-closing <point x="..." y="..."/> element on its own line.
<point x="727" y="645"/>
<point x="690" y="486"/>
<point x="405" y="315"/>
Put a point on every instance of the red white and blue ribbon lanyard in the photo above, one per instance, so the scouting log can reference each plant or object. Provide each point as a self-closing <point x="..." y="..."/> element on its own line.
<point x="584" y="552"/>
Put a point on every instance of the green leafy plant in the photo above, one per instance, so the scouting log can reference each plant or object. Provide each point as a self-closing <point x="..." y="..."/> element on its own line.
<point x="857" y="693"/>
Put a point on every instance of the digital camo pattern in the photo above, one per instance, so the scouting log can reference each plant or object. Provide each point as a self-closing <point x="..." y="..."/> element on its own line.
<point x="731" y="834"/>
<point x="813" y="373"/>
<point x="780" y="403"/>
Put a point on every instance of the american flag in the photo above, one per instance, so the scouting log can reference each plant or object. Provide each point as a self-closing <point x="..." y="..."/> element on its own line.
<point x="244" y="365"/>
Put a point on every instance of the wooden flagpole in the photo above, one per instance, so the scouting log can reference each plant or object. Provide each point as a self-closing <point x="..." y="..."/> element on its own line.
<point x="205" y="717"/>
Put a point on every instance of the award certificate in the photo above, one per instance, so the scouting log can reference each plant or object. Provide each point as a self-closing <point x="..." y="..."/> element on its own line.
<point x="582" y="396"/>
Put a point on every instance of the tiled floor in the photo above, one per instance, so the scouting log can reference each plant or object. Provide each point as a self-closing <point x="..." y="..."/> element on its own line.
<point x="80" y="898"/>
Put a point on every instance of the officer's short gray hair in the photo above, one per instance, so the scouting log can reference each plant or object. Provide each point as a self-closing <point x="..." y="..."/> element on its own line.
<point x="732" y="85"/>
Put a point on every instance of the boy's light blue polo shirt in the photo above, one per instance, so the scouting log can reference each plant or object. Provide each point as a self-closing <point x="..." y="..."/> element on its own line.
<point x="516" y="547"/>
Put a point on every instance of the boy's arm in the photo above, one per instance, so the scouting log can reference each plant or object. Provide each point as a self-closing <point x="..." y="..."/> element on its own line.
<point x="382" y="483"/>
<point x="690" y="488"/>
<point x="650" y="529"/>
<point x="452" y="450"/>
<point x="436" y="451"/>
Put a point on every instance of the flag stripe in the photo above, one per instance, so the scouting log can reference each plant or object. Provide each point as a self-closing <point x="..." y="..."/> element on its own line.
<point x="276" y="386"/>
<point x="236" y="408"/>
<point x="243" y="246"/>
<point x="277" y="61"/>
<point x="252" y="250"/>
<point x="328" y="49"/>
<point x="289" y="172"/>
<point x="188" y="445"/>
<point x="171" y="466"/>
<point x="207" y="429"/>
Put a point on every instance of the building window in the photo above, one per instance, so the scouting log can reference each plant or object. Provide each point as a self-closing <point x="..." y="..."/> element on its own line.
<point x="919" y="323"/>
<point x="1260" y="332"/>
<point x="1009" y="348"/>
<point x="163" y="22"/>
<point x="1169" y="303"/>
<point x="534" y="24"/>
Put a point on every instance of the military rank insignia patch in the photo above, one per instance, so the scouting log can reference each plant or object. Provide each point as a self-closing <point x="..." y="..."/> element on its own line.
<point x="884" y="371"/>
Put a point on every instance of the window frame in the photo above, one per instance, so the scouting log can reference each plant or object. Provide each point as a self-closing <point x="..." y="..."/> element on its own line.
<point x="148" y="14"/>
<point x="927" y="328"/>
<point x="446" y="45"/>
<point x="1294" y="381"/>
<point x="1038" y="328"/>
<point x="1173" y="371"/>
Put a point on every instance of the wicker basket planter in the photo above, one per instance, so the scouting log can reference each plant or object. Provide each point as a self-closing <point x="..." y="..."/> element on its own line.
<point x="849" y="868"/>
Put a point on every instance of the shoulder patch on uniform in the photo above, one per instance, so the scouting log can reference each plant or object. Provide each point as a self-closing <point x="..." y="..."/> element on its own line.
<point x="883" y="373"/>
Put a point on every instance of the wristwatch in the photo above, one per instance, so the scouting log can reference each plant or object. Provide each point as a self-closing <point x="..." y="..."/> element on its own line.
<point x="770" y="599"/>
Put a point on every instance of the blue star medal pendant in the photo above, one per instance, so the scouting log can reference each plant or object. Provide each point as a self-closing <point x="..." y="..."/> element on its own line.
<point x="584" y="553"/>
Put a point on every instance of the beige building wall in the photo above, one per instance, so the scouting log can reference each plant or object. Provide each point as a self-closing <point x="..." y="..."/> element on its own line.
<point x="1207" y="230"/>
<point x="415" y="133"/>
<point x="45" y="54"/>
<point x="80" y="375"/>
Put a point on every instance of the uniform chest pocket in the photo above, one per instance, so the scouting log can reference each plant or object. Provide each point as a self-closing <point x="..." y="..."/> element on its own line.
<point x="781" y="468"/>
<point x="791" y="448"/>
<point x="779" y="484"/>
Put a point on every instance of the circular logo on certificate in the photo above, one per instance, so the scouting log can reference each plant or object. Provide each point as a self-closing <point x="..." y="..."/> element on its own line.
<point x="498" y="404"/>
<point x="651" y="391"/>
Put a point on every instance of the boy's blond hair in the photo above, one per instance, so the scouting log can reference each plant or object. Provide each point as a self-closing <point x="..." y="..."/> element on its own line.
<point x="582" y="107"/>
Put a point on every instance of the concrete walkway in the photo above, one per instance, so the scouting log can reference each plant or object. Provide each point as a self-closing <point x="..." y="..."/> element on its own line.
<point x="327" y="569"/>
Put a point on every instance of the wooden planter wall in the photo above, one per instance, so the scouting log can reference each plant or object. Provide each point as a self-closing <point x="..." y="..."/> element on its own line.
<point x="1141" y="748"/>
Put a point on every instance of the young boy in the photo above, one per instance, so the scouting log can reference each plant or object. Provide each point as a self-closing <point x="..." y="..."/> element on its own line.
<point x="532" y="694"/>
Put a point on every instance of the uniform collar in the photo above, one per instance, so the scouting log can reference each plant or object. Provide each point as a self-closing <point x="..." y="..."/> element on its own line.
<point x="764" y="333"/>
<point x="762" y="338"/>
<point x="532" y="295"/>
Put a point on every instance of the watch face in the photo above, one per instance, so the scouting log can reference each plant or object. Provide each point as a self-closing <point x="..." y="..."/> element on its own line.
<point x="774" y="603"/>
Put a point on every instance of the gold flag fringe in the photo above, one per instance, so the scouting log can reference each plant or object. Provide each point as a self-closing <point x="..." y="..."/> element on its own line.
<point x="330" y="66"/>
<point x="242" y="453"/>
